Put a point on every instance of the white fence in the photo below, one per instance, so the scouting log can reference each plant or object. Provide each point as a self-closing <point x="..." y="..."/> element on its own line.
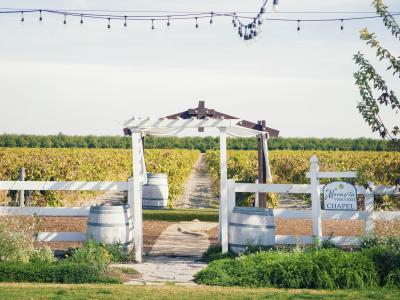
<point x="316" y="214"/>
<point x="59" y="211"/>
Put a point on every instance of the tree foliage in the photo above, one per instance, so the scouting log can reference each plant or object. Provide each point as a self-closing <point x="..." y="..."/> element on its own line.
<point x="198" y="143"/>
<point x="374" y="90"/>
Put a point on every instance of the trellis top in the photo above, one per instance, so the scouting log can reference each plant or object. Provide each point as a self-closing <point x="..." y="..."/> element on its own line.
<point x="200" y="117"/>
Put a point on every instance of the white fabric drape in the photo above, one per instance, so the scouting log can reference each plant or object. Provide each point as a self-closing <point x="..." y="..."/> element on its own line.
<point x="265" y="148"/>
<point x="236" y="131"/>
<point x="143" y="172"/>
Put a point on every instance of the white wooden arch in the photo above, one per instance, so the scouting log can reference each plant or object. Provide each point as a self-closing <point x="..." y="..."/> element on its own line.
<point x="139" y="127"/>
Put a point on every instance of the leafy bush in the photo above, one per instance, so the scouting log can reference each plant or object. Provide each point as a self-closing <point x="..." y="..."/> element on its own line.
<point x="92" y="253"/>
<point x="59" y="272"/>
<point x="372" y="240"/>
<point x="327" y="268"/>
<point x="42" y="255"/>
<point x="16" y="239"/>
<point x="214" y="252"/>
<point x="100" y="255"/>
<point x="118" y="252"/>
<point x="387" y="261"/>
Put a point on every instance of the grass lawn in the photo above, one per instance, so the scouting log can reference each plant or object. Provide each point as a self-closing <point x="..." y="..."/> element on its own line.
<point x="178" y="215"/>
<point x="120" y="292"/>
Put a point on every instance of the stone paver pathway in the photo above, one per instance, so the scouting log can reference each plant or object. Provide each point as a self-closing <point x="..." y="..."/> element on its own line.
<point x="175" y="257"/>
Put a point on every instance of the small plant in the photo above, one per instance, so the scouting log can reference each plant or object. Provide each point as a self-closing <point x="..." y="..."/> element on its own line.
<point x="118" y="252"/>
<point x="92" y="253"/>
<point x="214" y="252"/>
<point x="42" y="255"/>
<point x="16" y="239"/>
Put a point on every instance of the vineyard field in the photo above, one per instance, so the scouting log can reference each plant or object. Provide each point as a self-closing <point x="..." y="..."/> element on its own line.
<point x="288" y="166"/>
<point x="93" y="165"/>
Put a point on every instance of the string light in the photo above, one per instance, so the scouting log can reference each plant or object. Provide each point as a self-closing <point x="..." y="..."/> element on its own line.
<point x="248" y="26"/>
<point x="275" y="5"/>
<point x="234" y="20"/>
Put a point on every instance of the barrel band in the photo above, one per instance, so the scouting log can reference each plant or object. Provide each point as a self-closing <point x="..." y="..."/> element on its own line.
<point x="109" y="224"/>
<point x="251" y="225"/>
<point x="108" y="212"/>
<point x="253" y="211"/>
<point x="159" y="199"/>
<point x="157" y="185"/>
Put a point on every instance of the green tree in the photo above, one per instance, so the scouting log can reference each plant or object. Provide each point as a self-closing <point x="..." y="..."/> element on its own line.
<point x="374" y="90"/>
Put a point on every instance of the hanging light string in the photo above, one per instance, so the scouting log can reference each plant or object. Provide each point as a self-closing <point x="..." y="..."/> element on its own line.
<point x="247" y="25"/>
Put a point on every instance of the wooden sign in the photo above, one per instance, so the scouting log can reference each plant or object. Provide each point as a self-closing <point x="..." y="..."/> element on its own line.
<point x="340" y="195"/>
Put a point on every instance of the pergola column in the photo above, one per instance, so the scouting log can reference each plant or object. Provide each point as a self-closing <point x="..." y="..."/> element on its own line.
<point x="137" y="196"/>
<point x="223" y="202"/>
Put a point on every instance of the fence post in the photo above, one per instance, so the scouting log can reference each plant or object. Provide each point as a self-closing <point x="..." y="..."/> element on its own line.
<point x="21" y="192"/>
<point x="231" y="203"/>
<point x="369" y="211"/>
<point x="130" y="192"/>
<point x="315" y="199"/>
<point x="256" y="197"/>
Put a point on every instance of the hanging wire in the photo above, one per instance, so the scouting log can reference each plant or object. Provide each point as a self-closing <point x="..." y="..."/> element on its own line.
<point x="247" y="24"/>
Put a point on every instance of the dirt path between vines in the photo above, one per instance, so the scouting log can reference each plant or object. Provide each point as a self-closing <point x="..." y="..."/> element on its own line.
<point x="199" y="188"/>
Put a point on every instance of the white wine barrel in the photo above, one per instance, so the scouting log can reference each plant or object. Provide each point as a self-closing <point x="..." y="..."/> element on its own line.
<point x="111" y="224"/>
<point x="155" y="192"/>
<point x="251" y="226"/>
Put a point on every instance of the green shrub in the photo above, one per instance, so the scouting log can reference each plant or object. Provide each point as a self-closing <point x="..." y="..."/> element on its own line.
<point x="372" y="240"/>
<point x="214" y="252"/>
<point x="58" y="272"/>
<point x="326" y="268"/>
<point x="117" y="252"/>
<point x="16" y="239"/>
<point x="100" y="255"/>
<point x="92" y="253"/>
<point x="42" y="255"/>
<point x="387" y="261"/>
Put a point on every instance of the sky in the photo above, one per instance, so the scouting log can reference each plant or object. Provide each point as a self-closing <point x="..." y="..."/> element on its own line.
<point x="87" y="79"/>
